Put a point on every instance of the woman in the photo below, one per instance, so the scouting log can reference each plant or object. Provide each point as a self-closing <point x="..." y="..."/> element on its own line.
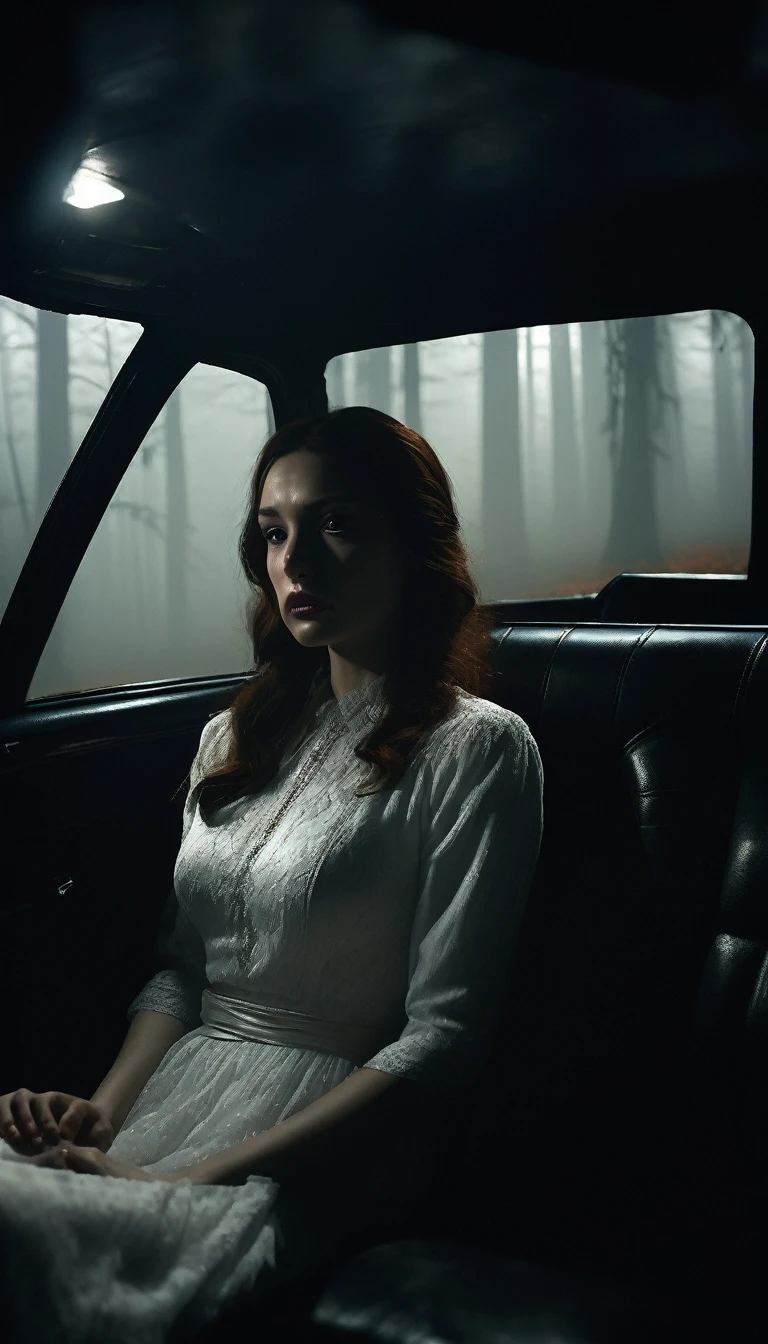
<point x="335" y="949"/>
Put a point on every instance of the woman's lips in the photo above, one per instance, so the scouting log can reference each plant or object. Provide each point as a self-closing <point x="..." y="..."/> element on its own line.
<point x="309" y="609"/>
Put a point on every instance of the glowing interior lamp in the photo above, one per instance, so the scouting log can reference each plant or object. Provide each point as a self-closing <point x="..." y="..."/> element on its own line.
<point x="88" y="189"/>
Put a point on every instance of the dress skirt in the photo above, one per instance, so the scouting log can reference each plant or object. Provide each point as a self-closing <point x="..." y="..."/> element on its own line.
<point x="105" y="1260"/>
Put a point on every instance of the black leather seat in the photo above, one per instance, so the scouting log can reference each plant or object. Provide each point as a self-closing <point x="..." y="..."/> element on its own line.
<point x="620" y="1127"/>
<point x="448" y="1292"/>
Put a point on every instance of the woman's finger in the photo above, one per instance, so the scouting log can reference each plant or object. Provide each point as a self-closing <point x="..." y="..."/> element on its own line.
<point x="101" y="1135"/>
<point x="8" y="1129"/>
<point x="46" y="1123"/>
<point x="72" y="1119"/>
<point x="23" y="1117"/>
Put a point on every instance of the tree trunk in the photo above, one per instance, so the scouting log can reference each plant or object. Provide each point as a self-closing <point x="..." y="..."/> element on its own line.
<point x="108" y="354"/>
<point x="9" y="434"/>
<point x="730" y="479"/>
<point x="595" y="403"/>
<point x="633" y="539"/>
<point x="567" y="483"/>
<point x="360" y="381"/>
<point x="176" y="531"/>
<point x="54" y="444"/>
<point x="54" y="454"/>
<point x="673" y="471"/>
<point x="507" y="564"/>
<point x="747" y="353"/>
<point x="530" y="396"/>
<point x="412" y="384"/>
<point x="379" y="379"/>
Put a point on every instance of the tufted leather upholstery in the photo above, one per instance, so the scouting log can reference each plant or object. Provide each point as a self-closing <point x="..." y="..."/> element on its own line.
<point x="622" y="1119"/>
<point x="647" y="931"/>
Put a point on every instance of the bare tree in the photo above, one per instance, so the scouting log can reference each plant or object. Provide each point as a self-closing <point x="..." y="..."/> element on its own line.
<point x="673" y="472"/>
<point x="359" y="375"/>
<point x="633" y="538"/>
<point x="380" y="379"/>
<point x="730" y="463"/>
<point x="567" y="477"/>
<point x="746" y="344"/>
<point x="176" y="531"/>
<point x="412" y="384"/>
<point x="8" y="430"/>
<point x="108" y="356"/>
<point x="530" y="393"/>
<point x="505" y="539"/>
<point x="747" y="352"/>
<point x="54" y="450"/>
<point x="54" y="445"/>
<point x="594" y="401"/>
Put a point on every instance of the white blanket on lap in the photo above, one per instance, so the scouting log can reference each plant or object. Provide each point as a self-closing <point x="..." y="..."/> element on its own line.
<point x="105" y="1260"/>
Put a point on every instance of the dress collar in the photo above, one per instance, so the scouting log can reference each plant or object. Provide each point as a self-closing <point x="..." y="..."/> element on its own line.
<point x="355" y="707"/>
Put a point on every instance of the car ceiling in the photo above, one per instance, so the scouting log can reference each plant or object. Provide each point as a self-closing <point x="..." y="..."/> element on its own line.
<point x="360" y="174"/>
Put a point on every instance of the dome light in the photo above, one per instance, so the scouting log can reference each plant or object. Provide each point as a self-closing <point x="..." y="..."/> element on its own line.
<point x="88" y="189"/>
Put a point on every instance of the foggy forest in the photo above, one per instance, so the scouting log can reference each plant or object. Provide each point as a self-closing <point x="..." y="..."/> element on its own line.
<point x="575" y="452"/>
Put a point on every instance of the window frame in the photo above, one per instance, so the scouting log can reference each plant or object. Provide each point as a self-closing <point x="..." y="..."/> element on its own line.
<point x="294" y="376"/>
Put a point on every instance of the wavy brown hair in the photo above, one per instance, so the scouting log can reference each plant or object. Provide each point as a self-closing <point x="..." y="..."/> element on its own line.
<point x="444" y="634"/>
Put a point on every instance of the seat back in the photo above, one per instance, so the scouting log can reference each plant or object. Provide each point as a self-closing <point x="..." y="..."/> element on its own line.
<point x="636" y="1029"/>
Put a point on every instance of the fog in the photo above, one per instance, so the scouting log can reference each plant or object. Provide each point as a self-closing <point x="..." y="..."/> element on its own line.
<point x="575" y="452"/>
<point x="582" y="450"/>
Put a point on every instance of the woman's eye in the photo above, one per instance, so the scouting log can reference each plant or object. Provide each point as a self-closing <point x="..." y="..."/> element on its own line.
<point x="333" y="518"/>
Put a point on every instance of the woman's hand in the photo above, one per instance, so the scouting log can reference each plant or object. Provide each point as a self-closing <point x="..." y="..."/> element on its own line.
<point x="93" y="1162"/>
<point x="31" y="1120"/>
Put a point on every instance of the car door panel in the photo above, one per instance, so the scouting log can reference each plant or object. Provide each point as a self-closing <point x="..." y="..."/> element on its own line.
<point x="92" y="789"/>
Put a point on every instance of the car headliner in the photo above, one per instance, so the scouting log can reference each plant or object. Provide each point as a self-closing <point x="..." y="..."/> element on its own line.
<point x="334" y="176"/>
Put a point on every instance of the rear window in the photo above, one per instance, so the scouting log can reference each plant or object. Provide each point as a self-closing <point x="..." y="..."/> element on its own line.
<point x="584" y="450"/>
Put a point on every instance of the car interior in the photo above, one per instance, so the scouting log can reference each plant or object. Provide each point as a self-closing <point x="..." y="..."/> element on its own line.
<point x="300" y="187"/>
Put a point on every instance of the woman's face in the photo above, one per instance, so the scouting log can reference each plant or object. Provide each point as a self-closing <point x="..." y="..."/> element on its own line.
<point x="330" y="541"/>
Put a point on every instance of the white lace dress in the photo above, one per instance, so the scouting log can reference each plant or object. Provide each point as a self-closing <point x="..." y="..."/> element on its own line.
<point x="310" y="932"/>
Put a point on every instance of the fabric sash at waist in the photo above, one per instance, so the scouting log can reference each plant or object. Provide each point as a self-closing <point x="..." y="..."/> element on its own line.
<point x="238" y="1019"/>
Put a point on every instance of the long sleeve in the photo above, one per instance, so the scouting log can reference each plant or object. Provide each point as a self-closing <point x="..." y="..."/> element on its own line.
<point x="179" y="952"/>
<point x="176" y="989"/>
<point x="477" y="865"/>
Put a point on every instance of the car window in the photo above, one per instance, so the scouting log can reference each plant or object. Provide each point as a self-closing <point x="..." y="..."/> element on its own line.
<point x="583" y="450"/>
<point x="159" y="593"/>
<point x="54" y="374"/>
